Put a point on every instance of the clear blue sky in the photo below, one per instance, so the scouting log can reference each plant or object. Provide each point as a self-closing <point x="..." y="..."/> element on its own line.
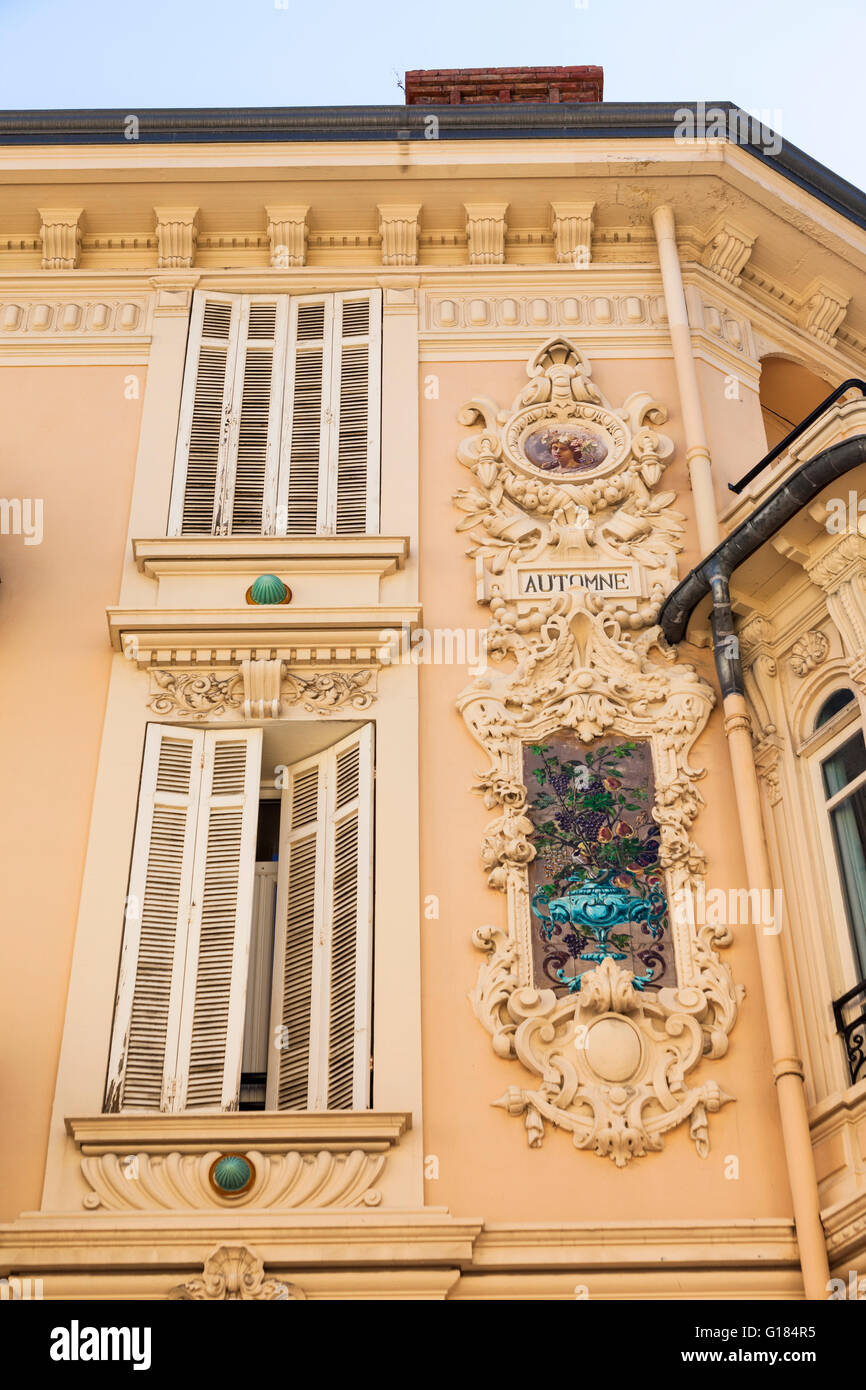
<point x="792" y="57"/>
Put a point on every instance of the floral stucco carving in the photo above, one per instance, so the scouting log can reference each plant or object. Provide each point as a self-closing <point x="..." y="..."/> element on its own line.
<point x="808" y="652"/>
<point x="191" y="695"/>
<point x="257" y="690"/>
<point x="235" y="1273"/>
<point x="613" y="1059"/>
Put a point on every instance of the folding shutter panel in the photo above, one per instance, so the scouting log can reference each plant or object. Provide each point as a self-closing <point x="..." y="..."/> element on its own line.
<point x="322" y="967"/>
<point x="202" y="455"/>
<point x="305" y="430"/>
<point x="254" y="1058"/>
<point x="145" y="1036"/>
<point x="300" y="926"/>
<point x="254" y="437"/>
<point x="350" y="880"/>
<point x="355" y="409"/>
<point x="212" y="1020"/>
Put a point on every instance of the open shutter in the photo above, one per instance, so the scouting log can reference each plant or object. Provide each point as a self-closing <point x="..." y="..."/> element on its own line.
<point x="346" y="1070"/>
<point x="254" y="438"/>
<point x="353" y="472"/>
<point x="300" y="926"/>
<point x="147" y="1016"/>
<point x="320" y="1016"/>
<point x="212" y="1021"/>
<point x="202" y="455"/>
<point x="306" y="429"/>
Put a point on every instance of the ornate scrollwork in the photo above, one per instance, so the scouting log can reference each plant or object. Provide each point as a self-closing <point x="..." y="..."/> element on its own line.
<point x="235" y="1273"/>
<point x="322" y="692"/>
<point x="532" y="495"/>
<point x="614" y="1057"/>
<point x="190" y="695"/>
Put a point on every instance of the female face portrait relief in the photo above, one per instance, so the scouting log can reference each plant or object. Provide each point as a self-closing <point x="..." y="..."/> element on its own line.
<point x="565" y="449"/>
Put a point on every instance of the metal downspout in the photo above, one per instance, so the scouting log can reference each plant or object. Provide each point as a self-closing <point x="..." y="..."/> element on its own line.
<point x="787" y="1066"/>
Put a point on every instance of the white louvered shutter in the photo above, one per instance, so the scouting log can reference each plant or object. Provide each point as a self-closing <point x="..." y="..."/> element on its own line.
<point x="228" y="441"/>
<point x="306" y="425"/>
<point x="320" y="1017"/>
<point x="353" y="465"/>
<point x="202" y="455"/>
<point x="147" y="1016"/>
<point x="249" y="505"/>
<point x="212" y="1019"/>
<point x="180" y="1006"/>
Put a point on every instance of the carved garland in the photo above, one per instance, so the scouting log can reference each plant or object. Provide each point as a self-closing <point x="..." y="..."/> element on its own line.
<point x="257" y="691"/>
<point x="613" y="1062"/>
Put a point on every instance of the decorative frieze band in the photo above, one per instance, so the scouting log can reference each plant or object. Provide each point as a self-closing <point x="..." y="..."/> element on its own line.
<point x="258" y="690"/>
<point x="62" y="317"/>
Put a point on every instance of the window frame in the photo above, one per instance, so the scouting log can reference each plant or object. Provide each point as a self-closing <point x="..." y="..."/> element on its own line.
<point x="818" y="748"/>
<point x="277" y="479"/>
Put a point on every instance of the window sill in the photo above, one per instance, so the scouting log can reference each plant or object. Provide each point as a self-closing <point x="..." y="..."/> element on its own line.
<point x="312" y="1160"/>
<point x="196" y="554"/>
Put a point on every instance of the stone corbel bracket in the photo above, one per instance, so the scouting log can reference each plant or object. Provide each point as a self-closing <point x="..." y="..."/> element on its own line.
<point x="399" y="230"/>
<point x="572" y="232"/>
<point x="727" y="250"/>
<point x="288" y="234"/>
<point x="176" y="237"/>
<point x="823" y="310"/>
<point x="485" y="232"/>
<point x="149" y="1163"/>
<point x="61" y="237"/>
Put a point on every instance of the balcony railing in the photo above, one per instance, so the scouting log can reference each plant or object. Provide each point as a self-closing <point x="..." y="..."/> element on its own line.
<point x="853" y="1030"/>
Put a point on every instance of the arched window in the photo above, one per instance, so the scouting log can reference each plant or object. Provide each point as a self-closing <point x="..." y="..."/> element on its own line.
<point x="841" y="776"/>
<point x="832" y="705"/>
<point x="788" y="391"/>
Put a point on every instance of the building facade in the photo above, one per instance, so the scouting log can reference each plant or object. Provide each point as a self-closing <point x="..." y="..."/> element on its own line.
<point x="413" y="889"/>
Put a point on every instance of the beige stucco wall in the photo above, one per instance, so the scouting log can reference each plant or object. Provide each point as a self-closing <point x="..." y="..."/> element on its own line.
<point x="69" y="437"/>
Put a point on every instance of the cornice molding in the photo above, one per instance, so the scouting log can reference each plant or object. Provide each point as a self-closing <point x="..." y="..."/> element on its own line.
<point x="168" y="635"/>
<point x="193" y="554"/>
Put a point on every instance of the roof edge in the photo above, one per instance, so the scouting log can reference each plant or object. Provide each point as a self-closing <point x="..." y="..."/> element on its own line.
<point x="500" y="121"/>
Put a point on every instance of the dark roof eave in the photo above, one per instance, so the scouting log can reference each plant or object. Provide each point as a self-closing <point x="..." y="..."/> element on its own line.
<point x="498" y="121"/>
<point x="764" y="522"/>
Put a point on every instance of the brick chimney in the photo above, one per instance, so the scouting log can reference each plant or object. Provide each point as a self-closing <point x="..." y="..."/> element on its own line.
<point x="484" y="86"/>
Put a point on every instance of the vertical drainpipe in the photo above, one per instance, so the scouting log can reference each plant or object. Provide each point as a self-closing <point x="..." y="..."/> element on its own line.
<point x="787" y="1067"/>
<point x="697" y="449"/>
